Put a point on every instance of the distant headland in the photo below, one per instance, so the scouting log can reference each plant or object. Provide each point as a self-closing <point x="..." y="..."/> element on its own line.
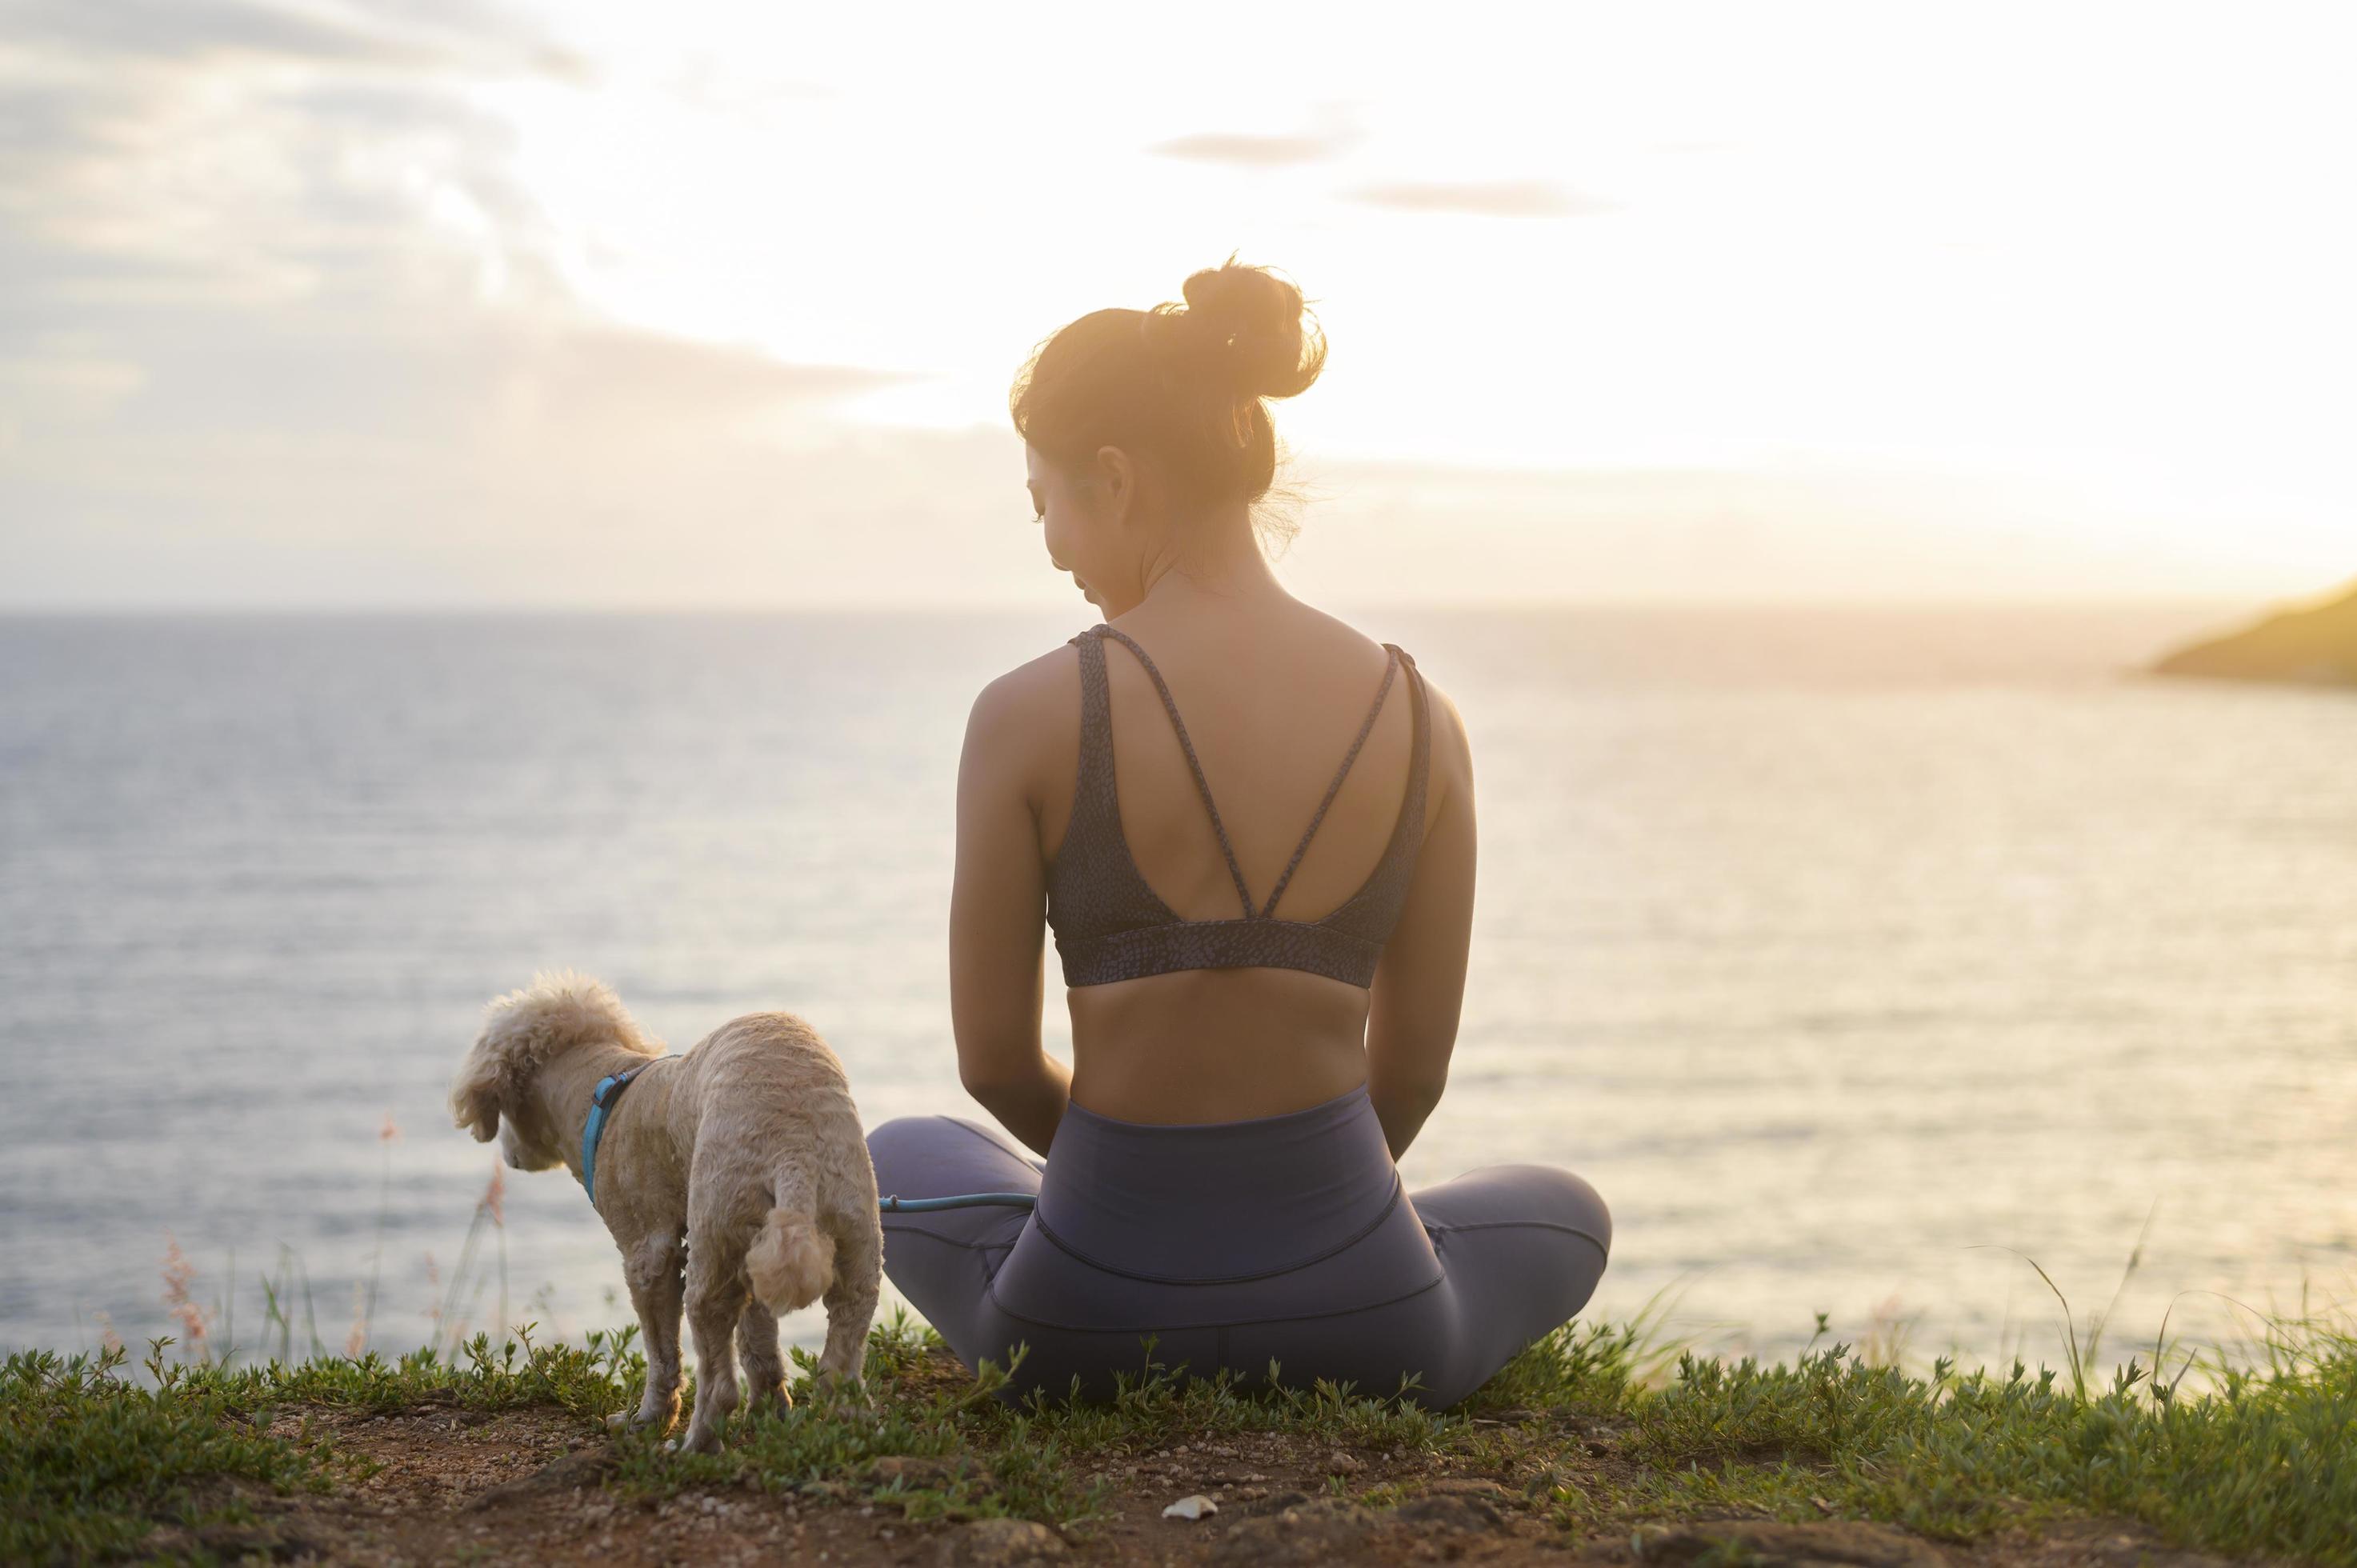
<point x="2311" y="645"/>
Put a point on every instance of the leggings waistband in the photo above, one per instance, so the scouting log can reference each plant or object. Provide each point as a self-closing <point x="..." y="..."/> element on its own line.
<point x="1217" y="1200"/>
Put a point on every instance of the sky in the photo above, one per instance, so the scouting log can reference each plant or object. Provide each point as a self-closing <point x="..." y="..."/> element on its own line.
<point x="441" y="303"/>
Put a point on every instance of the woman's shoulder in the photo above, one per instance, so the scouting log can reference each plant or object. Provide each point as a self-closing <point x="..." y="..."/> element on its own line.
<point x="1035" y="704"/>
<point x="1452" y="749"/>
<point x="1034" y="682"/>
<point x="1448" y="724"/>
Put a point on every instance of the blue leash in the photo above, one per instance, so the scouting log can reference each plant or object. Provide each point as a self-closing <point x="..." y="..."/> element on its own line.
<point x="609" y="1090"/>
<point x="963" y="1201"/>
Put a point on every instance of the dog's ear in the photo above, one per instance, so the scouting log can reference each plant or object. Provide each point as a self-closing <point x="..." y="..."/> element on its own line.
<point x="526" y="1029"/>
<point x="475" y="1094"/>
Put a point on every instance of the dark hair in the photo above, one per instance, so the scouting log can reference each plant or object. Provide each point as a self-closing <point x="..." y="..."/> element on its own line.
<point x="1180" y="385"/>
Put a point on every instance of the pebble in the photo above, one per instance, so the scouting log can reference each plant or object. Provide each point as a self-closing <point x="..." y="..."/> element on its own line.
<point x="1000" y="1544"/>
<point x="1194" y="1508"/>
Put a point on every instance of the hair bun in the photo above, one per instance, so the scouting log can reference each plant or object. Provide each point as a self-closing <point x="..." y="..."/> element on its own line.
<point x="1253" y="323"/>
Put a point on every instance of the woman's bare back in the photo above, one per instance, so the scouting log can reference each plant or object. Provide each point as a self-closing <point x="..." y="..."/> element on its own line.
<point x="1272" y="703"/>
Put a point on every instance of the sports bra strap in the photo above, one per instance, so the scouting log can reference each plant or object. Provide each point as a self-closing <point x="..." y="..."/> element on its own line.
<point x="1366" y="726"/>
<point x="1096" y="742"/>
<point x="1096" y="706"/>
<point x="1202" y="785"/>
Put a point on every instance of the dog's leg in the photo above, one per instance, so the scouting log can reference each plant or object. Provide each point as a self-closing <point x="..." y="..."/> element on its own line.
<point x="715" y="1297"/>
<point x="765" y="1368"/>
<point x="653" y="1269"/>
<point x="851" y="1299"/>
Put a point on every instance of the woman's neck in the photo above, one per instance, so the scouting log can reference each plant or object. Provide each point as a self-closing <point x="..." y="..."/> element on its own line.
<point x="1224" y="568"/>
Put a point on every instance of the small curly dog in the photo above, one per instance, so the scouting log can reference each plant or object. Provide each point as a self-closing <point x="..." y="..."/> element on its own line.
<point x="735" y="1176"/>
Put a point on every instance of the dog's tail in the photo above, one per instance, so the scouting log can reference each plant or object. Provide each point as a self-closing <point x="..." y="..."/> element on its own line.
<point x="791" y="1260"/>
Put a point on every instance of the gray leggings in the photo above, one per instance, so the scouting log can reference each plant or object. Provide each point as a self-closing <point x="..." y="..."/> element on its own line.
<point x="1233" y="1244"/>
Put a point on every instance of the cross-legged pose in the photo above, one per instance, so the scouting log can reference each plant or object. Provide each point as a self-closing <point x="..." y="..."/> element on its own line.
<point x="1251" y="831"/>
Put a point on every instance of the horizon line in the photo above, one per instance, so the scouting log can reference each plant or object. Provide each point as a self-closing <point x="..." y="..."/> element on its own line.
<point x="592" y="609"/>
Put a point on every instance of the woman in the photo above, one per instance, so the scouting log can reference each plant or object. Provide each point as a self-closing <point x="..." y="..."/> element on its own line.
<point x="1262" y="1010"/>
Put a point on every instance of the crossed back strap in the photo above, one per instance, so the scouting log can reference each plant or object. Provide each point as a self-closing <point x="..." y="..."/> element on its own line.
<point x="1203" y="786"/>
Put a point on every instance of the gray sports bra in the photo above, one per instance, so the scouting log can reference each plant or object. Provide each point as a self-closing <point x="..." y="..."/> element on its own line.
<point x="1110" y="925"/>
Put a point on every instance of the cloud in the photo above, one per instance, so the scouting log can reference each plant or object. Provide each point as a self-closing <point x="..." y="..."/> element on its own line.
<point x="405" y="377"/>
<point x="223" y="150"/>
<point x="1242" y="150"/>
<point x="175" y="186"/>
<point x="415" y="35"/>
<point x="1496" y="198"/>
<point x="447" y="449"/>
<point x="181" y="29"/>
<point x="1334" y="133"/>
<point x="279" y="319"/>
<point x="67" y="380"/>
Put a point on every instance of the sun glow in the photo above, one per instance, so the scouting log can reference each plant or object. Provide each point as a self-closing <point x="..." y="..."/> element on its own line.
<point x="1925" y="243"/>
<point x="2074" y="264"/>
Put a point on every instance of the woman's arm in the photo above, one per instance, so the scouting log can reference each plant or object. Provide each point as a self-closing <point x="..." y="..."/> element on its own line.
<point x="1420" y="979"/>
<point x="998" y="918"/>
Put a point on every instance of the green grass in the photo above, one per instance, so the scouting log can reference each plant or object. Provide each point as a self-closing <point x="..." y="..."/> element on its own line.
<point x="2259" y="1456"/>
<point x="1597" y="1424"/>
<point x="89" y="1461"/>
<point x="1016" y="1460"/>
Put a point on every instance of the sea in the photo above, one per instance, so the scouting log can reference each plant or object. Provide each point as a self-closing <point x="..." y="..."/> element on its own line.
<point x="1922" y="979"/>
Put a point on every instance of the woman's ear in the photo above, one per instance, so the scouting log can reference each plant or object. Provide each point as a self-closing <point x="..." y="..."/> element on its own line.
<point x="1115" y="482"/>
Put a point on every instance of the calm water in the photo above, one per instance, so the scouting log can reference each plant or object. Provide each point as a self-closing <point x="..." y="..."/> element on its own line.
<point x="1843" y="951"/>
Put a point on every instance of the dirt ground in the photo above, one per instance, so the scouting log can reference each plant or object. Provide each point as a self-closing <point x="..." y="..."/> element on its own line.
<point x="527" y="1487"/>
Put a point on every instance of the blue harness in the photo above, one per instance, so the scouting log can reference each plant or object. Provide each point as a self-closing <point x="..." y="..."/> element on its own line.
<point x="609" y="1090"/>
<point x="601" y="1105"/>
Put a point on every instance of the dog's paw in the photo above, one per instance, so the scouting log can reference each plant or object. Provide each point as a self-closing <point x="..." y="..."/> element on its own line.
<point x="628" y="1421"/>
<point x="767" y="1407"/>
